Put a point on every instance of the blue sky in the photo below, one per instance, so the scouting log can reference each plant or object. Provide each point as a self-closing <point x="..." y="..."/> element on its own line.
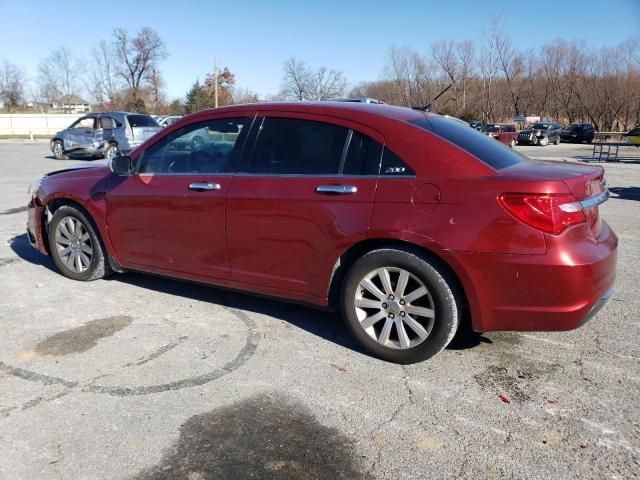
<point x="254" y="38"/>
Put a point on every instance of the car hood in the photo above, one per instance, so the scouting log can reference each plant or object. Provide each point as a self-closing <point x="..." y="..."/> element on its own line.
<point x="85" y="169"/>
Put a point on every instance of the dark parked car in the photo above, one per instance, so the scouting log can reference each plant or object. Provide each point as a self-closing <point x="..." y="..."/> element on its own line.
<point x="578" y="133"/>
<point x="504" y="133"/>
<point x="476" y="124"/>
<point x="541" y="133"/>
<point x="104" y="134"/>
<point x="414" y="225"/>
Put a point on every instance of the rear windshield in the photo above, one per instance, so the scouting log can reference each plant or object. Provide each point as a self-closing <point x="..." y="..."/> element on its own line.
<point x="485" y="148"/>
<point x="141" y="121"/>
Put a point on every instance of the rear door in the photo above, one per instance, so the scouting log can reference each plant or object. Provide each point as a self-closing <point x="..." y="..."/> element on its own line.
<point x="170" y="215"/>
<point x="306" y="197"/>
<point x="104" y="132"/>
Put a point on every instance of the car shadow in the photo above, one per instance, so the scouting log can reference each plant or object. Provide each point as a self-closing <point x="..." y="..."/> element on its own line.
<point x="72" y="157"/>
<point x="625" y="193"/>
<point x="625" y="160"/>
<point x="322" y="323"/>
<point x="21" y="247"/>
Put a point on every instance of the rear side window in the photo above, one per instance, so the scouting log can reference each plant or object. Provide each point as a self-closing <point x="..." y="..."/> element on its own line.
<point x="392" y="164"/>
<point x="363" y="156"/>
<point x="486" y="149"/>
<point x="295" y="146"/>
<point x="141" y="121"/>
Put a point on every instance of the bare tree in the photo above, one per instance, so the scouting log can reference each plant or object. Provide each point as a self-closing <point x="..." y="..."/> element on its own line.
<point x="102" y="81"/>
<point x="296" y="79"/>
<point x="58" y="75"/>
<point x="135" y="56"/>
<point x="444" y="54"/>
<point x="244" y="95"/>
<point x="327" y="84"/>
<point x="12" y="86"/>
<point x="466" y="57"/>
<point x="301" y="82"/>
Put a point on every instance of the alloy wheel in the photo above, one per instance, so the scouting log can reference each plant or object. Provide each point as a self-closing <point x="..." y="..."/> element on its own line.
<point x="73" y="244"/>
<point x="394" y="307"/>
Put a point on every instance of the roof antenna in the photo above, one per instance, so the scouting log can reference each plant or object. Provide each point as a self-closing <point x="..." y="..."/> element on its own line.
<point x="427" y="107"/>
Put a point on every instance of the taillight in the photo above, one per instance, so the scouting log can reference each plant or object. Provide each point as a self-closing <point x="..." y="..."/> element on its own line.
<point x="551" y="213"/>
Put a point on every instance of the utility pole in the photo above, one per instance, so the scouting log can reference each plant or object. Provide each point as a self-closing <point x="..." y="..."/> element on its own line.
<point x="215" y="81"/>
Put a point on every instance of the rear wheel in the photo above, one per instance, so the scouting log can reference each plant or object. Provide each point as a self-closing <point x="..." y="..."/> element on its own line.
<point x="75" y="246"/>
<point x="543" y="141"/>
<point x="399" y="305"/>
<point x="557" y="142"/>
<point x="512" y="144"/>
<point x="58" y="150"/>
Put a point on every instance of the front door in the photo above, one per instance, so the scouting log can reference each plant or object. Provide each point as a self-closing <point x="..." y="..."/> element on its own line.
<point x="170" y="215"/>
<point x="308" y="196"/>
<point x="81" y="135"/>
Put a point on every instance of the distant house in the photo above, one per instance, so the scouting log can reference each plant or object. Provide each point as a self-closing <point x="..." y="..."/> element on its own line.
<point x="71" y="104"/>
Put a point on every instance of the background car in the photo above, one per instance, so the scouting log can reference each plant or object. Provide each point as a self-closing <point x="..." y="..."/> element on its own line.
<point x="504" y="133"/>
<point x="476" y="124"/>
<point x="540" y="133"/>
<point x="578" y="133"/>
<point x="414" y="225"/>
<point x="104" y="135"/>
<point x="168" y="120"/>
<point x="633" y="135"/>
<point x="358" y="100"/>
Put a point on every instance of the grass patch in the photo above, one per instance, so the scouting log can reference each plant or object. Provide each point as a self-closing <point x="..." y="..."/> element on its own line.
<point x="24" y="137"/>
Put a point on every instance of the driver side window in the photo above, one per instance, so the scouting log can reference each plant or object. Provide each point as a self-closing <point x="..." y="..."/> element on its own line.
<point x="212" y="146"/>
<point x="86" y="122"/>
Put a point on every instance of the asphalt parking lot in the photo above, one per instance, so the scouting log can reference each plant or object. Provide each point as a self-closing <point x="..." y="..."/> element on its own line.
<point x="138" y="377"/>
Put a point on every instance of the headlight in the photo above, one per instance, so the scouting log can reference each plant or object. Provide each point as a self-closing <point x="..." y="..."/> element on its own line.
<point x="35" y="185"/>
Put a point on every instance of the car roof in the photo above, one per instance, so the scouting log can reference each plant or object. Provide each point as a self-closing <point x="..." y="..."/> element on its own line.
<point x="330" y="108"/>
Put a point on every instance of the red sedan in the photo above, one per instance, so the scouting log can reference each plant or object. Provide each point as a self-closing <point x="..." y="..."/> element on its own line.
<point x="414" y="225"/>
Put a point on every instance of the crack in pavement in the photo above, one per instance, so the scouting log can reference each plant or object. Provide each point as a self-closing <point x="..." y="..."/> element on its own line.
<point x="247" y="351"/>
<point x="410" y="400"/>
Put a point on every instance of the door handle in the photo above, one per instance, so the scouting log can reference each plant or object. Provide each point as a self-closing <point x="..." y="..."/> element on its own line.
<point x="336" y="189"/>
<point x="201" y="187"/>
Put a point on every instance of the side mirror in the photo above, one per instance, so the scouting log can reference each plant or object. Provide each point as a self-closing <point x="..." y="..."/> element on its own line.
<point x="120" y="164"/>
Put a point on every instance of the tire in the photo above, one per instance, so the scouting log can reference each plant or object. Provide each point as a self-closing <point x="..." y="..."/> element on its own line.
<point x="110" y="151"/>
<point x="58" y="150"/>
<point x="543" y="141"/>
<point x="386" y="313"/>
<point x="557" y="141"/>
<point x="64" y="234"/>
<point x="512" y="144"/>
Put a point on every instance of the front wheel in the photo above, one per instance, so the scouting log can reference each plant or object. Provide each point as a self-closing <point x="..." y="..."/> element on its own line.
<point x="58" y="150"/>
<point x="75" y="246"/>
<point x="111" y="151"/>
<point x="512" y="144"/>
<point x="399" y="305"/>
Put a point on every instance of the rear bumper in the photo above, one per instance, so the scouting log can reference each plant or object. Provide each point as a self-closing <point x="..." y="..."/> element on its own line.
<point x="560" y="290"/>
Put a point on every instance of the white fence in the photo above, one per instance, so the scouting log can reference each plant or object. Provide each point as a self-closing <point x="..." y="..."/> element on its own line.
<point x="35" y="123"/>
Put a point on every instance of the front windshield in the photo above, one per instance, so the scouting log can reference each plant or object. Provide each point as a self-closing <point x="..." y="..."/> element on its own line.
<point x="491" y="128"/>
<point x="540" y="126"/>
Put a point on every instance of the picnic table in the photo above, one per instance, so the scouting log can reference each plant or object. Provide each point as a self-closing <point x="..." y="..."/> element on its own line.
<point x="603" y="151"/>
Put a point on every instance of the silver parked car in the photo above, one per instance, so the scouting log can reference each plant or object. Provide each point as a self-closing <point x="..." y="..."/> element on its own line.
<point x="104" y="134"/>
